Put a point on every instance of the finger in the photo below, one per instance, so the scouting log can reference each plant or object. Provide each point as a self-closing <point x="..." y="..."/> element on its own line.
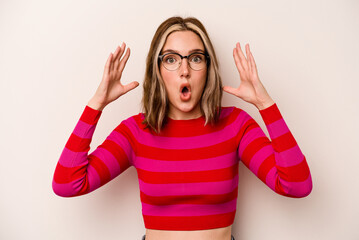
<point x="248" y="57"/>
<point x="108" y="64"/>
<point x="118" y="49"/>
<point x="130" y="86"/>
<point x="119" y="55"/>
<point x="237" y="61"/>
<point x="253" y="63"/>
<point x="124" y="60"/>
<point x="242" y="58"/>
<point x="115" y="54"/>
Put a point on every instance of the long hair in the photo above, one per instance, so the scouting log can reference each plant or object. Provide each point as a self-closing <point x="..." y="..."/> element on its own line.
<point x="155" y="102"/>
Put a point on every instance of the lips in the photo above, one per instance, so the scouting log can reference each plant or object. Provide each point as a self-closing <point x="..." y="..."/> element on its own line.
<point x="185" y="91"/>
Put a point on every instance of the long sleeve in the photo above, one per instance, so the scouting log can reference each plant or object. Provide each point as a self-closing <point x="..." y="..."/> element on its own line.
<point x="78" y="172"/>
<point x="279" y="163"/>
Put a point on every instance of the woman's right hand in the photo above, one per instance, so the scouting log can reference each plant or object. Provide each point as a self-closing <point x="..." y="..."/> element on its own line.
<point x="111" y="87"/>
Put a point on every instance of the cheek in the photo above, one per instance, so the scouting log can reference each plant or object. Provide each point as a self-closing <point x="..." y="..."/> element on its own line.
<point x="203" y="79"/>
<point x="167" y="78"/>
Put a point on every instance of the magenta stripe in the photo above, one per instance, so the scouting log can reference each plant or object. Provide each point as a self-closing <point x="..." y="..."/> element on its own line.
<point x="109" y="160"/>
<point x="294" y="154"/>
<point x="153" y="165"/>
<point x="185" y="142"/>
<point x="293" y="188"/>
<point x="277" y="128"/>
<point x="172" y="189"/>
<point x="271" y="178"/>
<point x="300" y="189"/>
<point x="122" y="142"/>
<point x="69" y="158"/>
<point x="226" y="111"/>
<point x="72" y="188"/>
<point x="249" y="137"/>
<point x="189" y="209"/>
<point x="241" y="119"/>
<point x="93" y="178"/>
<point x="259" y="157"/>
<point x="64" y="190"/>
<point x="84" y="130"/>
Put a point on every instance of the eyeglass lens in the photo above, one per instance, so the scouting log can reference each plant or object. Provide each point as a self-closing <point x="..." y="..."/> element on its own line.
<point x="173" y="61"/>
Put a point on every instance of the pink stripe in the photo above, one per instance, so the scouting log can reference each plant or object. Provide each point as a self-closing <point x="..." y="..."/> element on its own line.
<point x="63" y="190"/>
<point x="109" y="160"/>
<point x="289" y="157"/>
<point x="188" y="209"/>
<point x="248" y="138"/>
<point x="298" y="189"/>
<point x="172" y="189"/>
<point x="84" y="130"/>
<point x="122" y="142"/>
<point x="93" y="178"/>
<point x="188" y="165"/>
<point x="241" y="119"/>
<point x="183" y="143"/>
<point x="259" y="157"/>
<point x="277" y="128"/>
<point x="69" y="158"/>
<point x="226" y="111"/>
<point x="271" y="178"/>
<point x="71" y="188"/>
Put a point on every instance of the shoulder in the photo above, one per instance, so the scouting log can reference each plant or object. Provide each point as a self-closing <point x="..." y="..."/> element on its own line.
<point x="236" y="117"/>
<point x="134" y="122"/>
<point x="232" y="111"/>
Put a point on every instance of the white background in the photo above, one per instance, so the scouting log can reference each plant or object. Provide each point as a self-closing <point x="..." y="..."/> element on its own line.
<point x="52" y="55"/>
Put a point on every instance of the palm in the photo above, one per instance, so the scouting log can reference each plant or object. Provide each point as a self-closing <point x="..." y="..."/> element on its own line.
<point x="111" y="87"/>
<point x="250" y="89"/>
<point x="116" y="88"/>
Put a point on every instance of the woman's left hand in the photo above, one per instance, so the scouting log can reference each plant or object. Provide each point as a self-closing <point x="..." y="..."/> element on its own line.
<point x="251" y="89"/>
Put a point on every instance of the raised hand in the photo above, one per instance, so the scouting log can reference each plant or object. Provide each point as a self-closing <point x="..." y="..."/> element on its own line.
<point x="111" y="87"/>
<point x="251" y="89"/>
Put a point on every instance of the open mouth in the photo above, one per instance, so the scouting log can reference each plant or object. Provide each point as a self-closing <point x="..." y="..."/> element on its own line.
<point x="185" y="92"/>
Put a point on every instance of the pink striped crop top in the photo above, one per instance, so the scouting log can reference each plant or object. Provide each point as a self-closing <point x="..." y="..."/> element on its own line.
<point x="188" y="173"/>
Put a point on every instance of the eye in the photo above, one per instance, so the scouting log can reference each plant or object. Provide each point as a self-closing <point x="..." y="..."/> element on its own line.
<point x="170" y="59"/>
<point x="197" y="58"/>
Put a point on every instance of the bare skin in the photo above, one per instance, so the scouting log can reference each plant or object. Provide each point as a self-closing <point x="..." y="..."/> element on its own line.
<point x="183" y="42"/>
<point x="250" y="90"/>
<point x="208" y="234"/>
<point x="111" y="87"/>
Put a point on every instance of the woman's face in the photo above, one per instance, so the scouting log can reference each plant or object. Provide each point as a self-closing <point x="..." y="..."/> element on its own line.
<point x="184" y="105"/>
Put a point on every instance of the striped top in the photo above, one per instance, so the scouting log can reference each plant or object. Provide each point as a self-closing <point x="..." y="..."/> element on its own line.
<point x="188" y="173"/>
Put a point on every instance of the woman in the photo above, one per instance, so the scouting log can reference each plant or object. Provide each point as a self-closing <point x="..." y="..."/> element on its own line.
<point x="185" y="146"/>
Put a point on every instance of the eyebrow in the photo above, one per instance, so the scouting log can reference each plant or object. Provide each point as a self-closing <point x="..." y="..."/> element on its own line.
<point x="191" y="51"/>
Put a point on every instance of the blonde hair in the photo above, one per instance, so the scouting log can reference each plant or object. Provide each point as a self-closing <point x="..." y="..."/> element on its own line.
<point x="155" y="102"/>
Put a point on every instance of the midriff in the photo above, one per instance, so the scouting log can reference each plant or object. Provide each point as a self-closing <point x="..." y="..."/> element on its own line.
<point x="208" y="234"/>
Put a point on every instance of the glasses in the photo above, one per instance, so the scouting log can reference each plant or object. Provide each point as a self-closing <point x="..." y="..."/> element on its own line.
<point x="172" y="61"/>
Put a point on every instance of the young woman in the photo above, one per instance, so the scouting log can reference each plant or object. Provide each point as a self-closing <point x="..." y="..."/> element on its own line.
<point x="185" y="146"/>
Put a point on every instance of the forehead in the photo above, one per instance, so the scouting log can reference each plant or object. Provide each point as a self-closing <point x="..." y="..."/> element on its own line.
<point x="183" y="42"/>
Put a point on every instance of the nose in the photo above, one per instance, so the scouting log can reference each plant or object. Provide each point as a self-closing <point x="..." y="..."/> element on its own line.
<point x="184" y="68"/>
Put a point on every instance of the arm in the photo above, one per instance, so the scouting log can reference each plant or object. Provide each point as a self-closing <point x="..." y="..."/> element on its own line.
<point x="279" y="163"/>
<point x="78" y="172"/>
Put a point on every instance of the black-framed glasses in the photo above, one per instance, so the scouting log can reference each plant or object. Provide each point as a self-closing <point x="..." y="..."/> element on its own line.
<point x="196" y="60"/>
